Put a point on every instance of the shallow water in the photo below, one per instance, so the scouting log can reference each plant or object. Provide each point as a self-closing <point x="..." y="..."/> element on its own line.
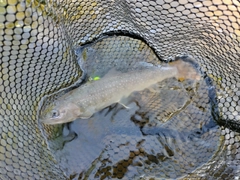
<point x="168" y="131"/>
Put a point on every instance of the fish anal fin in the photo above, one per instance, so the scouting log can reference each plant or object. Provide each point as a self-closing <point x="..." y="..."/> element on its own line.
<point x="155" y="88"/>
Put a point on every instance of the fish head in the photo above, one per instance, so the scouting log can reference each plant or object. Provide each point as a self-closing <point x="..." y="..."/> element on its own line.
<point x="58" y="113"/>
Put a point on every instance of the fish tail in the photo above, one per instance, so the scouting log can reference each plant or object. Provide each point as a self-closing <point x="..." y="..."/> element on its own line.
<point x="185" y="70"/>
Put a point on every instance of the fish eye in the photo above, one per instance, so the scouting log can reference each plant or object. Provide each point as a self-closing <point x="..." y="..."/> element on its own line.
<point x="55" y="113"/>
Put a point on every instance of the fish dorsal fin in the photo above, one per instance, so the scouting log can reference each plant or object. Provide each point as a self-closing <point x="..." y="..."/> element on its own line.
<point x="112" y="72"/>
<point x="145" y="65"/>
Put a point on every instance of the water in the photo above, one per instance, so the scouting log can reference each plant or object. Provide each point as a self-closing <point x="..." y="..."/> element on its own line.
<point x="167" y="132"/>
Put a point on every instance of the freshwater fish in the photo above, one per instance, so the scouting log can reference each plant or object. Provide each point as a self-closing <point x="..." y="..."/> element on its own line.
<point x="114" y="87"/>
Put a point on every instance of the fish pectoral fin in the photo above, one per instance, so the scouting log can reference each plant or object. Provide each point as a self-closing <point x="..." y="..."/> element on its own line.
<point x="86" y="116"/>
<point x="87" y="113"/>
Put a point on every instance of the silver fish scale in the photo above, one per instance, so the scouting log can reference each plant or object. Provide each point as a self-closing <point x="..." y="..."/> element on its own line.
<point x="113" y="85"/>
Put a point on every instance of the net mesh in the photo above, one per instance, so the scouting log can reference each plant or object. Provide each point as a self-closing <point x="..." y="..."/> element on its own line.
<point x="38" y="39"/>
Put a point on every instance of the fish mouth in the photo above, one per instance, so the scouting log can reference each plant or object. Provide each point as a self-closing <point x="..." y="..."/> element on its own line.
<point x="50" y="121"/>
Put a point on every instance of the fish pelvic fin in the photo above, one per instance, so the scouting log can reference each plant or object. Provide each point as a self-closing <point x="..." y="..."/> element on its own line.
<point x="124" y="105"/>
<point x="124" y="101"/>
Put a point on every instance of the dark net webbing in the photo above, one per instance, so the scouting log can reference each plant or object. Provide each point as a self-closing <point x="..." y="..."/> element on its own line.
<point x="37" y="58"/>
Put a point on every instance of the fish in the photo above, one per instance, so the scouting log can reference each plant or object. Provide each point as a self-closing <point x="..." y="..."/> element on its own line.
<point x="114" y="87"/>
